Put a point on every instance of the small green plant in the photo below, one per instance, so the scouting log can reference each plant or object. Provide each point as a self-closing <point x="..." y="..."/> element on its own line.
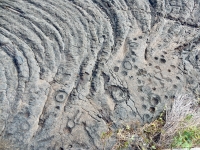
<point x="187" y="138"/>
<point x="182" y="123"/>
<point x="188" y="117"/>
<point x="151" y="132"/>
<point x="105" y="136"/>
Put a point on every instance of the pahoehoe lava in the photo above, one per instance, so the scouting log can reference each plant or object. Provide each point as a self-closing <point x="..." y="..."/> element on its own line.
<point x="70" y="67"/>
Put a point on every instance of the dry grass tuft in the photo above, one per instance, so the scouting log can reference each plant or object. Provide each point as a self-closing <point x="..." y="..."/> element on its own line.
<point x="184" y="114"/>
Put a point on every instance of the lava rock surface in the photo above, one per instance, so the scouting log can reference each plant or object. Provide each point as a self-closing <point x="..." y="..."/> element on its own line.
<point x="68" y="68"/>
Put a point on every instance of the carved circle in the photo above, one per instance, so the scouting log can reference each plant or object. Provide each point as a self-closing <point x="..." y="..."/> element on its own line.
<point x="127" y="65"/>
<point x="24" y="126"/>
<point x="60" y="97"/>
<point x="119" y="95"/>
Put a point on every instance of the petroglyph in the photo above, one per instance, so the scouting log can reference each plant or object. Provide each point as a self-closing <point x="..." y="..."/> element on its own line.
<point x="69" y="67"/>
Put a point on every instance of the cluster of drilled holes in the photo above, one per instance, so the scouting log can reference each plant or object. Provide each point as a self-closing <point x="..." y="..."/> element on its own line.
<point x="172" y="96"/>
<point x="162" y="60"/>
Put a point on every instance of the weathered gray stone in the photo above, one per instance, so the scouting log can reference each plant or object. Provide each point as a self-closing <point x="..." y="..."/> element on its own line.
<point x="68" y="68"/>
